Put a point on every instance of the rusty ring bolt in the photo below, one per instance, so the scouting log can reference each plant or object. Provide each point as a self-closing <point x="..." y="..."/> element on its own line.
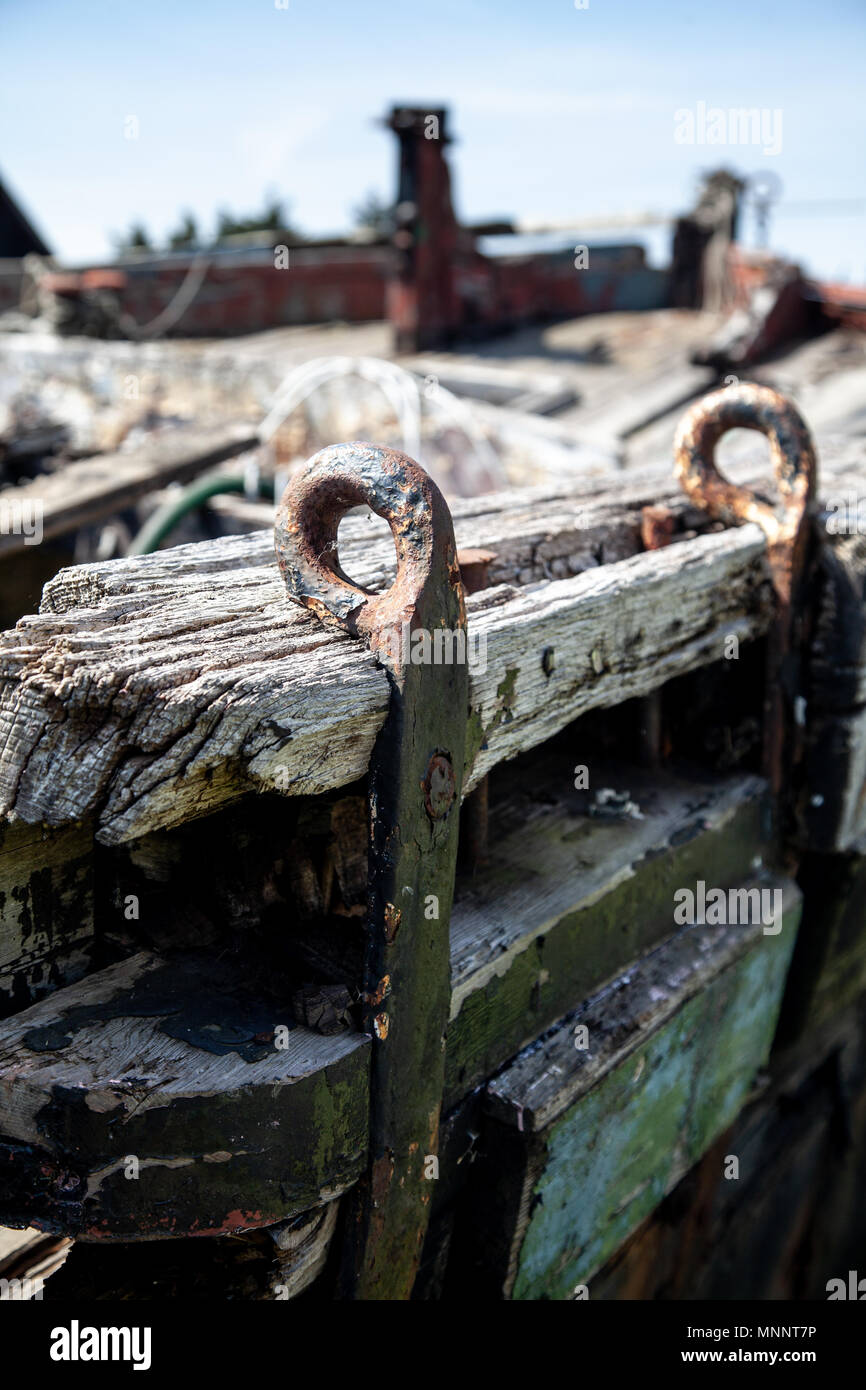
<point x="317" y="498"/>
<point x="747" y="406"/>
<point x="751" y="407"/>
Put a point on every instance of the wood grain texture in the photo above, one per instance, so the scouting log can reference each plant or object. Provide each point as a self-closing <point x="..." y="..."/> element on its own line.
<point x="152" y="691"/>
<point x="158" y="1057"/>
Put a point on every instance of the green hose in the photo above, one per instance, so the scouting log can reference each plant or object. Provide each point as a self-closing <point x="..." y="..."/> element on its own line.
<point x="171" y="513"/>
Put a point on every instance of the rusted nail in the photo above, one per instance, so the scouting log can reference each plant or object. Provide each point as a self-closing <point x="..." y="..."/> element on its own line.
<point x="383" y="989"/>
<point x="416" y="772"/>
<point x="656" y="527"/>
<point x="787" y="528"/>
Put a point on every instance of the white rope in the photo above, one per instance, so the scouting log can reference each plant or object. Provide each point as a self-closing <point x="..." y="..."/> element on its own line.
<point x="400" y="388"/>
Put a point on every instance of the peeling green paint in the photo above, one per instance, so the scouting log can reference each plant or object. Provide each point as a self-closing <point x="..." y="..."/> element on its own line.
<point x="608" y="1160"/>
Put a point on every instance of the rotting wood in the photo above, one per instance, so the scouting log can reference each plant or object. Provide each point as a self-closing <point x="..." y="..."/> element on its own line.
<point x="46" y="910"/>
<point x="673" y="1046"/>
<point x="501" y="601"/>
<point x="523" y="951"/>
<point x="275" y="1263"/>
<point x="766" y="1240"/>
<point x="173" y="1064"/>
<point x="178" y="701"/>
<point x="567" y="900"/>
<point x="182" y="680"/>
<point x="27" y="1259"/>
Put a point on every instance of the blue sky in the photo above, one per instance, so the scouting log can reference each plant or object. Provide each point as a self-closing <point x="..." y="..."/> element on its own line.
<point x="558" y="111"/>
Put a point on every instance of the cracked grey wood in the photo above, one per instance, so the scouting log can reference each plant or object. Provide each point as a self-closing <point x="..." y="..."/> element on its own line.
<point x="193" y="684"/>
<point x="152" y="690"/>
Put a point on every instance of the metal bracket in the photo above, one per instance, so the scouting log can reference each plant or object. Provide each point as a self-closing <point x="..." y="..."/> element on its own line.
<point x="417" y="629"/>
<point x="748" y="406"/>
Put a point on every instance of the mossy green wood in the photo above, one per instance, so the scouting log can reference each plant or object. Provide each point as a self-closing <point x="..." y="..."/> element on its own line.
<point x="571" y="944"/>
<point x="615" y="880"/>
<point x="607" y="1162"/>
<point x="321" y="1125"/>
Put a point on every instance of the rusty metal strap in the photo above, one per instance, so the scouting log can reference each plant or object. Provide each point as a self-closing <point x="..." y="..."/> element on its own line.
<point x="414" y="786"/>
<point x="787" y="528"/>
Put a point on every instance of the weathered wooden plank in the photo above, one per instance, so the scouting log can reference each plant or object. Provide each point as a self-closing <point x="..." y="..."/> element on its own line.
<point x="46" y="910"/>
<point x="181" y="694"/>
<point x="582" y="1144"/>
<point x="566" y="900"/>
<point x="27" y="1259"/>
<point x="96" y="487"/>
<point x="159" y="663"/>
<point x="556" y="652"/>
<point x="783" y="1238"/>
<point x="173" y="1064"/>
<point x="673" y="386"/>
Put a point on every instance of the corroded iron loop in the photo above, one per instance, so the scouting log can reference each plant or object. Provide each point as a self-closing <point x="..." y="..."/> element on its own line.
<point x="750" y="407"/>
<point x="305" y="535"/>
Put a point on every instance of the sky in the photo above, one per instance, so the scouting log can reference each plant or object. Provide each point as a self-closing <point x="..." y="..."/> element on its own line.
<point x="560" y="112"/>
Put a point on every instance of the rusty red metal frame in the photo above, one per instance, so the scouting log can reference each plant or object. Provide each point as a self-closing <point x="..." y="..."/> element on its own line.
<point x="416" y="773"/>
<point x="746" y="405"/>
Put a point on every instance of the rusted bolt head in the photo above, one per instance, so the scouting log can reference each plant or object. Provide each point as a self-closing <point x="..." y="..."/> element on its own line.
<point x="656" y="527"/>
<point x="474" y="565"/>
<point x="440" y="786"/>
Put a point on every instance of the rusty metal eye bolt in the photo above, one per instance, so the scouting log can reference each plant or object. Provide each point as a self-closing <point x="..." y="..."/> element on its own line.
<point x="787" y="528"/>
<point x="416" y="771"/>
<point x="335" y="480"/>
<point x="792" y="453"/>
